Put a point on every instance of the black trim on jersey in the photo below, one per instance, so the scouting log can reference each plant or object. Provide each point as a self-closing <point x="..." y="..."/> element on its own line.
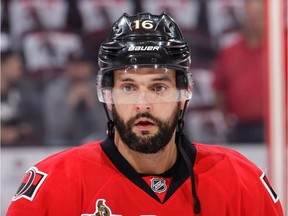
<point x="178" y="170"/>
<point x="167" y="174"/>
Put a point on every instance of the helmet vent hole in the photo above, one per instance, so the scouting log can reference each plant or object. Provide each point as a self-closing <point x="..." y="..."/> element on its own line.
<point x="167" y="30"/>
<point x="133" y="60"/>
<point x="153" y="60"/>
<point x="118" y="30"/>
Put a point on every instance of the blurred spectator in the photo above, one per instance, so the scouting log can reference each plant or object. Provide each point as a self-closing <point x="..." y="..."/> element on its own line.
<point x="45" y="53"/>
<point x="20" y="107"/>
<point x="239" y="75"/>
<point x="203" y="122"/>
<point x="31" y="15"/>
<point x="98" y="15"/>
<point x="72" y="111"/>
<point x="39" y="29"/>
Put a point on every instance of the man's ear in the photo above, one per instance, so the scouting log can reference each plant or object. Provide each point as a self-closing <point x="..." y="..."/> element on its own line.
<point x="109" y="106"/>
<point x="185" y="98"/>
<point x="108" y="99"/>
<point x="182" y="104"/>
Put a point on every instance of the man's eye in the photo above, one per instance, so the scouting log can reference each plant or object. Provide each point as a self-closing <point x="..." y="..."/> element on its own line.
<point x="128" y="89"/>
<point x="159" y="88"/>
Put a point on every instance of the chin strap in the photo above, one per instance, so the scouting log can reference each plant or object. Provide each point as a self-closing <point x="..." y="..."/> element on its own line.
<point x="110" y="123"/>
<point x="187" y="160"/>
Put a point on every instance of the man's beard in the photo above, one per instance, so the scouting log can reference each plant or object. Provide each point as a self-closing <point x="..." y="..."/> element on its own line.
<point x="147" y="144"/>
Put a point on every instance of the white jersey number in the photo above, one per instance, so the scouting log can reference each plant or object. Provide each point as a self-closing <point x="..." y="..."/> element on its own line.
<point x="146" y="24"/>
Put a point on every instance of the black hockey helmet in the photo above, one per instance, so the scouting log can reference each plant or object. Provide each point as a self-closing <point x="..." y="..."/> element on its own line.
<point x="144" y="40"/>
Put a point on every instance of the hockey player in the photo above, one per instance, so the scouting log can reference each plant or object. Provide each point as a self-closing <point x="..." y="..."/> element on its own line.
<point x="146" y="166"/>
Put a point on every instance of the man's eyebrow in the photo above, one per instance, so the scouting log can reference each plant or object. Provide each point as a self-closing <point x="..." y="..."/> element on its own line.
<point x="126" y="79"/>
<point x="156" y="79"/>
<point x="163" y="78"/>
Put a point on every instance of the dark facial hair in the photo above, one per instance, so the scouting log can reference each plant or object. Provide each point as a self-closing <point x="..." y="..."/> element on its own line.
<point x="147" y="144"/>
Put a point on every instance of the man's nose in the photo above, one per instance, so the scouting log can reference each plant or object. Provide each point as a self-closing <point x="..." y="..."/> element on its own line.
<point x="143" y="103"/>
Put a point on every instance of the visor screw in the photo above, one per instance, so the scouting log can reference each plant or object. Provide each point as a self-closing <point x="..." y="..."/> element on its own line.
<point x="133" y="60"/>
<point x="153" y="60"/>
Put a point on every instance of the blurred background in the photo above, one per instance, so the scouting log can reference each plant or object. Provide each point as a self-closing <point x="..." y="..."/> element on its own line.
<point x="49" y="54"/>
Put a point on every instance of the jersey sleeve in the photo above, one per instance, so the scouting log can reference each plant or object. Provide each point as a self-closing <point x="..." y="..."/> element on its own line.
<point x="257" y="194"/>
<point x="51" y="187"/>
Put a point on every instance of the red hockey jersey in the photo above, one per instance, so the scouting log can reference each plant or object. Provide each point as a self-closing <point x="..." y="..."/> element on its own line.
<point x="94" y="179"/>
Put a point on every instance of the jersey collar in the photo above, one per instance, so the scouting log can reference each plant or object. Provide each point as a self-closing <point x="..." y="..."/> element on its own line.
<point x="178" y="170"/>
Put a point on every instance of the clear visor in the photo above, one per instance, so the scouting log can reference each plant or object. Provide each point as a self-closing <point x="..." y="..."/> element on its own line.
<point x="150" y="85"/>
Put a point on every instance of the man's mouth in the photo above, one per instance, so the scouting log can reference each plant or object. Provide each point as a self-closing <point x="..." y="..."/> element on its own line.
<point x="144" y="123"/>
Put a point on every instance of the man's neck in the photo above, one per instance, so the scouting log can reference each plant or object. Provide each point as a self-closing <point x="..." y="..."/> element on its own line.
<point x="148" y="163"/>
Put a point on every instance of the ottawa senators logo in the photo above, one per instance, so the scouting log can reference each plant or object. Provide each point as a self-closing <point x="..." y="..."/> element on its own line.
<point x="30" y="184"/>
<point x="101" y="209"/>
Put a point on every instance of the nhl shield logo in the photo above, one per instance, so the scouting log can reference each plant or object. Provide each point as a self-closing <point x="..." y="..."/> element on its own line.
<point x="158" y="185"/>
